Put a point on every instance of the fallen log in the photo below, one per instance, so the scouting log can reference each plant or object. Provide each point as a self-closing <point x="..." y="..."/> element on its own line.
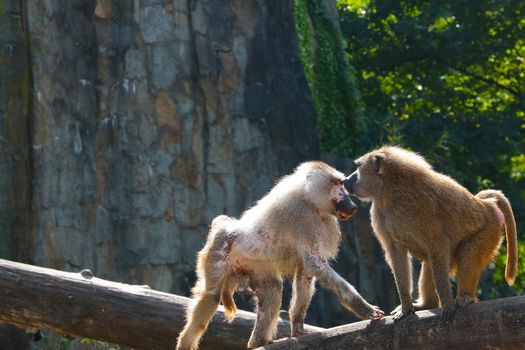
<point x="79" y="304"/>
<point x="494" y="324"/>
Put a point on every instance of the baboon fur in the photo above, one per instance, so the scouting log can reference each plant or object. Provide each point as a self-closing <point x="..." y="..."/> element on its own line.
<point x="419" y="212"/>
<point x="292" y="232"/>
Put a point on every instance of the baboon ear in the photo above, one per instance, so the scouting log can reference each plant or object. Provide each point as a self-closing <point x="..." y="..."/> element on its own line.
<point x="378" y="162"/>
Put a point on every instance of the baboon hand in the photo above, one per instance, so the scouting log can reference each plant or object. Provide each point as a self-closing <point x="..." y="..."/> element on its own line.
<point x="464" y="300"/>
<point x="447" y="314"/>
<point x="369" y="312"/>
<point x="400" y="314"/>
<point x="376" y="313"/>
<point x="396" y="310"/>
<point x="298" y="329"/>
<point x="416" y="306"/>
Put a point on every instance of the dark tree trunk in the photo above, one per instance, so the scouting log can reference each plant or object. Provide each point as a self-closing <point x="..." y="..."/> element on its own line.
<point x="126" y="126"/>
<point x="83" y="305"/>
<point x="15" y="98"/>
<point x="495" y="324"/>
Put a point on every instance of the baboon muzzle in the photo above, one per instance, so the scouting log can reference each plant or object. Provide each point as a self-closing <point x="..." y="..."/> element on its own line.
<point x="350" y="181"/>
<point x="345" y="208"/>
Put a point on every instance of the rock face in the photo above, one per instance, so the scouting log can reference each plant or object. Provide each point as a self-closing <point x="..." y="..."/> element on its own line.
<point x="126" y="126"/>
<point x="15" y="183"/>
<point x="152" y="117"/>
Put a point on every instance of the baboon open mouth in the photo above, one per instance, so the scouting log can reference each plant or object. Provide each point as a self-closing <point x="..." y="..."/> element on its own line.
<point x="345" y="215"/>
<point x="344" y="208"/>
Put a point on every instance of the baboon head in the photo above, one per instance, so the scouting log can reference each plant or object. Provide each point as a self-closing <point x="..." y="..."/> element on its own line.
<point x="384" y="171"/>
<point x="325" y="189"/>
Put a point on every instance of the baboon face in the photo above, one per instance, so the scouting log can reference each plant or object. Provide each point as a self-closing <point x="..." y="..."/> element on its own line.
<point x="324" y="186"/>
<point x="344" y="208"/>
<point x="384" y="171"/>
<point x="367" y="180"/>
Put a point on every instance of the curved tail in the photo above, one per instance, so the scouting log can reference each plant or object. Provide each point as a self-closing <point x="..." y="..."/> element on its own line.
<point x="510" y="230"/>
<point x="230" y="309"/>
<point x="211" y="281"/>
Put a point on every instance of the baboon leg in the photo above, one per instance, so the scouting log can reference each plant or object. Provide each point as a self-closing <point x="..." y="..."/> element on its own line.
<point x="198" y="318"/>
<point x="473" y="256"/>
<point x="440" y="266"/>
<point x="428" y="298"/>
<point x="207" y="297"/>
<point x="302" y="292"/>
<point x="400" y="263"/>
<point x="269" y="296"/>
<point x="211" y="269"/>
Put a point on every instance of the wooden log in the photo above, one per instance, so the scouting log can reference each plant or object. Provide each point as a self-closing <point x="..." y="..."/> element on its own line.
<point x="495" y="324"/>
<point x="79" y="304"/>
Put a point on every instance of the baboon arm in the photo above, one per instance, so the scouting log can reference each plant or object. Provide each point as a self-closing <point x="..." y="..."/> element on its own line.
<point x="428" y="298"/>
<point x="302" y="291"/>
<point x="402" y="270"/>
<point x="318" y="267"/>
<point x="440" y="265"/>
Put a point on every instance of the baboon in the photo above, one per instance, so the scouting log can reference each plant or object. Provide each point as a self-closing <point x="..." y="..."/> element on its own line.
<point x="292" y="232"/>
<point x="419" y="212"/>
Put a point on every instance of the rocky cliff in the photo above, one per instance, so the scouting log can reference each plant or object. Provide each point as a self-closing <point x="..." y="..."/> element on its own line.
<point x="126" y="126"/>
<point x="152" y="117"/>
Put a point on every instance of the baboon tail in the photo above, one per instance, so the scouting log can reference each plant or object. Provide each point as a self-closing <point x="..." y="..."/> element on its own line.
<point x="221" y="241"/>
<point x="230" y="309"/>
<point x="510" y="230"/>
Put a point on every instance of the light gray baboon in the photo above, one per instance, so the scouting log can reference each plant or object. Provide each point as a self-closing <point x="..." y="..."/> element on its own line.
<point x="419" y="212"/>
<point x="292" y="232"/>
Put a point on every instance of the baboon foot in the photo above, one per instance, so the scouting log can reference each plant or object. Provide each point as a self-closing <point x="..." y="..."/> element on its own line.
<point x="447" y="313"/>
<point x="298" y="329"/>
<point x="257" y="343"/>
<point x="401" y="315"/>
<point x="464" y="300"/>
<point x="418" y="306"/>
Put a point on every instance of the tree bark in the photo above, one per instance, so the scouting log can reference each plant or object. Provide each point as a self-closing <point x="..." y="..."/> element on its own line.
<point x="15" y="152"/>
<point x="136" y="316"/>
<point x="495" y="324"/>
<point x="79" y="304"/>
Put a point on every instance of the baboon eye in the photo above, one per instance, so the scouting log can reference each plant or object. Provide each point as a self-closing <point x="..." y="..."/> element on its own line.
<point x="335" y="181"/>
<point x="377" y="163"/>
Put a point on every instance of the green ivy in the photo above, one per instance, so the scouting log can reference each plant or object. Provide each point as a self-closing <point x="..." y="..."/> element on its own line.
<point x="330" y="77"/>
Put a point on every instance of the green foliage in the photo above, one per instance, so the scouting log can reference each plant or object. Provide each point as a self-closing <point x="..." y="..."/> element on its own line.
<point x="98" y="345"/>
<point x="447" y="79"/>
<point x="52" y="341"/>
<point x="518" y="167"/>
<point x="499" y="284"/>
<point x="330" y="77"/>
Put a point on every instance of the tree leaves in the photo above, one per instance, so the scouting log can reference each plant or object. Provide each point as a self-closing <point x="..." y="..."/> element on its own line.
<point x="446" y="79"/>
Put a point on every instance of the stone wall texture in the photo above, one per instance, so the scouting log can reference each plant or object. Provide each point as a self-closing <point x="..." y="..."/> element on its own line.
<point x="127" y="125"/>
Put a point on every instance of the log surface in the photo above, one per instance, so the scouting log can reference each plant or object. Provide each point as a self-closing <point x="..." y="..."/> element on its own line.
<point x="494" y="324"/>
<point x="81" y="305"/>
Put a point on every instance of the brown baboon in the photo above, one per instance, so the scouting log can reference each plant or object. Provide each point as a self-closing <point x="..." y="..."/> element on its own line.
<point x="292" y="232"/>
<point x="419" y="212"/>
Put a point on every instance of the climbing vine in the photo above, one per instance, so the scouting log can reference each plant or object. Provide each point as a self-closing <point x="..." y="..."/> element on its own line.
<point x="330" y="77"/>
